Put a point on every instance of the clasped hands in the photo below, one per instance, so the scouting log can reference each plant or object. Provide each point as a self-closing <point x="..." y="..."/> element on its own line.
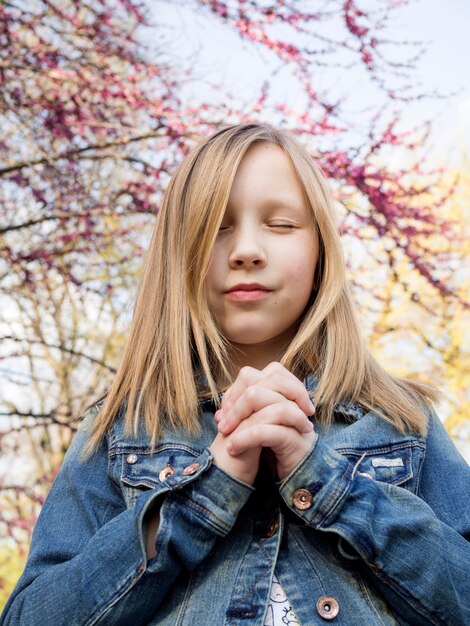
<point x="266" y="408"/>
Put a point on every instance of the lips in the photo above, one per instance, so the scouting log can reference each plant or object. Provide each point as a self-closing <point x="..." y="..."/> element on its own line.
<point x="248" y="287"/>
<point x="247" y="292"/>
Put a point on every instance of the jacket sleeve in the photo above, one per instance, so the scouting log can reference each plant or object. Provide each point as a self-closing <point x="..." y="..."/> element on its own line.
<point x="414" y="548"/>
<point x="87" y="563"/>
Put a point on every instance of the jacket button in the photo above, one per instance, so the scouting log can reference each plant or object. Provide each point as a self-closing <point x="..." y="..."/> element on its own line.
<point x="191" y="469"/>
<point x="302" y="499"/>
<point x="131" y="459"/>
<point x="327" y="607"/>
<point x="166" y="471"/>
<point x="272" y="527"/>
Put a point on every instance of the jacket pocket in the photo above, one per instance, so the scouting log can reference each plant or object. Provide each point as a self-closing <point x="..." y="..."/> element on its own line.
<point x="140" y="469"/>
<point x="388" y="464"/>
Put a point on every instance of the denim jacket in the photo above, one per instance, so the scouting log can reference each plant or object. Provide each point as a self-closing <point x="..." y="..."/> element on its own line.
<point x="371" y="527"/>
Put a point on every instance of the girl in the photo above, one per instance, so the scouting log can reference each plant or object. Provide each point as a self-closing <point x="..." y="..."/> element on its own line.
<point x="176" y="504"/>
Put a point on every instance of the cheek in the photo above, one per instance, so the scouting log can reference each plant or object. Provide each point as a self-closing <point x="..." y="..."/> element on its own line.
<point x="214" y="284"/>
<point x="213" y="272"/>
<point x="300" y="271"/>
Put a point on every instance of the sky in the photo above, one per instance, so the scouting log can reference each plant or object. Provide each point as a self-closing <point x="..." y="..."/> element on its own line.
<point x="445" y="65"/>
<point x="213" y="52"/>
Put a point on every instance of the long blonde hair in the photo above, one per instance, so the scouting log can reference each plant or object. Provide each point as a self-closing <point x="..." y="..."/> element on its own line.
<point x="173" y="335"/>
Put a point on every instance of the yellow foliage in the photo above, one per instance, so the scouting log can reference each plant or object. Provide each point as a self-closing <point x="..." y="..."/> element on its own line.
<point x="12" y="562"/>
<point x="414" y="330"/>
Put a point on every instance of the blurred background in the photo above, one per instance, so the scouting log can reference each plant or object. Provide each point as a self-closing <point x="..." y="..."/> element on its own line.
<point x="100" y="100"/>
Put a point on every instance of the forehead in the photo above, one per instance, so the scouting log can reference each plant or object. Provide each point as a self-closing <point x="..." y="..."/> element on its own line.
<point x="266" y="174"/>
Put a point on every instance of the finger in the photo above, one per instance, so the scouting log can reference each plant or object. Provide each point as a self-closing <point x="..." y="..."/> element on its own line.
<point x="262" y="436"/>
<point x="245" y="377"/>
<point x="280" y="375"/>
<point x="251" y="400"/>
<point x="283" y="413"/>
<point x="258" y="404"/>
<point x="278" y="379"/>
<point x="225" y="397"/>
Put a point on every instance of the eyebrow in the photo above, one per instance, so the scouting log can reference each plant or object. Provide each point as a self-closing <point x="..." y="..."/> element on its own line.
<point x="281" y="204"/>
<point x="284" y="203"/>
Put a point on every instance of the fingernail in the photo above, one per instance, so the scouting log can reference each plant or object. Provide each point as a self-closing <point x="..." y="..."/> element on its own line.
<point x="312" y="406"/>
<point x="230" y="447"/>
<point x="222" y="424"/>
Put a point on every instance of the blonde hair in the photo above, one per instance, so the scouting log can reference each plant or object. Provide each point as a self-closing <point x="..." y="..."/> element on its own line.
<point x="173" y="335"/>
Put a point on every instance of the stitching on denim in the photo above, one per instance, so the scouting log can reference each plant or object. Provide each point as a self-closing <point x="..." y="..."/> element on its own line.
<point x="125" y="587"/>
<point x="383" y="449"/>
<point x="307" y="556"/>
<point x="365" y="591"/>
<point x="263" y="550"/>
<point x="406" y="596"/>
<point x="301" y="464"/>
<point x="197" y="510"/>
<point x="145" y="450"/>
<point x="331" y="498"/>
<point x="108" y="467"/>
<point x="109" y="471"/>
<point x="184" y="603"/>
<point x="420" y="467"/>
<point x="261" y="577"/>
<point x="248" y="593"/>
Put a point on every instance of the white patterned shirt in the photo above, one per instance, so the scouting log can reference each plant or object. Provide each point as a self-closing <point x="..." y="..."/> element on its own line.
<point x="280" y="612"/>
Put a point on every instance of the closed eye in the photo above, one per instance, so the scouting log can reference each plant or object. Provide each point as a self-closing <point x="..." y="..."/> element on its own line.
<point x="290" y="226"/>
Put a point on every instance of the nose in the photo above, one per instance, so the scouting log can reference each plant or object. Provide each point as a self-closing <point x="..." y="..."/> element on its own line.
<point x="247" y="249"/>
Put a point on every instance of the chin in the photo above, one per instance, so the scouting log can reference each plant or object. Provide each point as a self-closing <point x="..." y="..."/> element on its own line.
<point x="249" y="337"/>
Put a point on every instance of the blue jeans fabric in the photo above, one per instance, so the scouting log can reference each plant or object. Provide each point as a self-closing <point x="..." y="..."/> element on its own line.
<point x="385" y="532"/>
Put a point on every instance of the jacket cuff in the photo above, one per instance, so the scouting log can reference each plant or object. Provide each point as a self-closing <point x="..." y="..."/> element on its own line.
<point x="196" y="509"/>
<point x="316" y="488"/>
<point x="216" y="498"/>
